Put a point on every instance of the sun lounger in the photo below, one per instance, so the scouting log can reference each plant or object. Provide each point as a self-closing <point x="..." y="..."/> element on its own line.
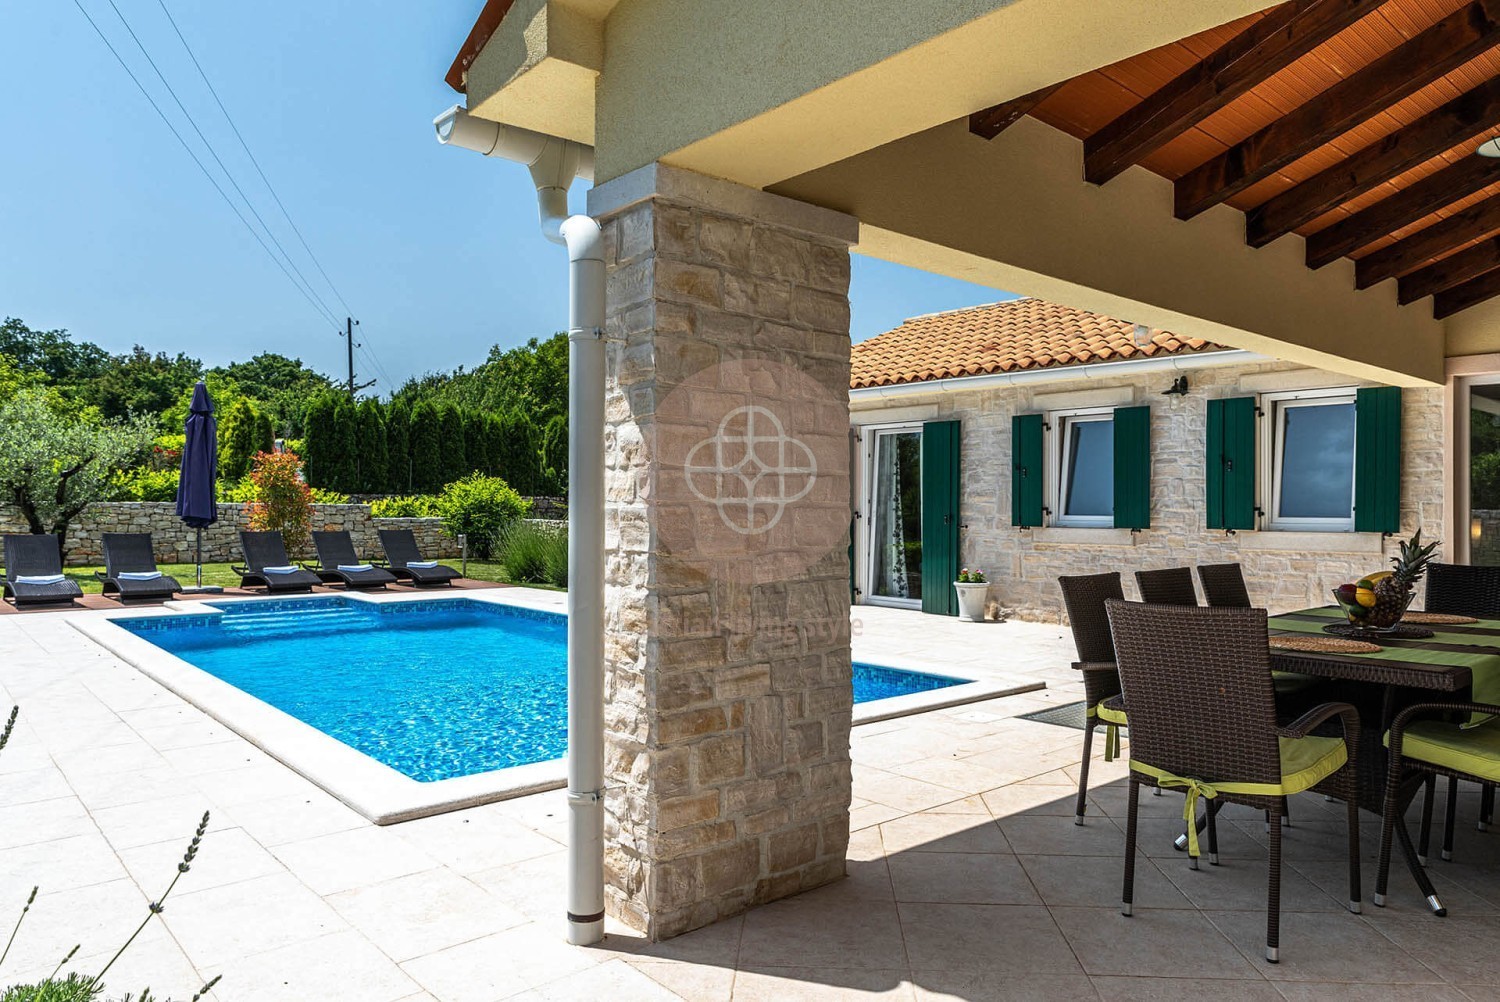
<point x="34" y="573"/>
<point x="337" y="563"/>
<point x="406" y="561"/>
<point x="130" y="570"/>
<point x="268" y="566"/>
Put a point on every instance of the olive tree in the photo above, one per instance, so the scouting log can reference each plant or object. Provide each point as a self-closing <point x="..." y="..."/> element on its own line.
<point x="52" y="467"/>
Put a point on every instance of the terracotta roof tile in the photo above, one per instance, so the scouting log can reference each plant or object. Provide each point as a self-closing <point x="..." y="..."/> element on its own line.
<point x="1011" y="336"/>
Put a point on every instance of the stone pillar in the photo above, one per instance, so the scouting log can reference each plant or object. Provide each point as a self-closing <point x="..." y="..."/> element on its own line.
<point x="728" y="695"/>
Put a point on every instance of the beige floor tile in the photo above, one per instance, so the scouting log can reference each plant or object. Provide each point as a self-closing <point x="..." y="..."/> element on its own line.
<point x="225" y="857"/>
<point x="831" y="927"/>
<point x="361" y="857"/>
<point x="775" y="984"/>
<point x="1150" y="942"/>
<point x="44" y="821"/>
<point x="342" y="965"/>
<point x="222" y="924"/>
<point x="961" y="878"/>
<point x="932" y="832"/>
<point x="291" y="819"/>
<point x="997" y="938"/>
<point x="1057" y="836"/>
<point x="901" y="792"/>
<point x="424" y="912"/>
<point x="872" y="815"/>
<point x="1460" y="952"/>
<point x="501" y="965"/>
<point x="469" y="841"/>
<point x="613" y="979"/>
<point x="152" y="821"/>
<point x="1323" y="947"/>
<point x="59" y="865"/>
<point x="698" y="982"/>
<point x="1317" y="991"/>
<point x="1241" y="884"/>
<point x="1184" y="990"/>
<point x="34" y="785"/>
<point x="535" y="887"/>
<point x="97" y="918"/>
<point x="1098" y="881"/>
<point x="1018" y="799"/>
<point x="968" y="986"/>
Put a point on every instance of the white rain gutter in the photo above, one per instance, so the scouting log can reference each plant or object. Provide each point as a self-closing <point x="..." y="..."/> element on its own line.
<point x="1060" y="373"/>
<point x="554" y="164"/>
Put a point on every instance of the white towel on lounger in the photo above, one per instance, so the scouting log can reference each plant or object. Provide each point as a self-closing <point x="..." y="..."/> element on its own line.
<point x="40" y="579"/>
<point x="287" y="569"/>
<point x="356" y="567"/>
<point x="138" y="575"/>
<point x="422" y="564"/>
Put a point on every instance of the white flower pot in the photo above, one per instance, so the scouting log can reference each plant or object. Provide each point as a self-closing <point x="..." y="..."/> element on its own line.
<point x="971" y="600"/>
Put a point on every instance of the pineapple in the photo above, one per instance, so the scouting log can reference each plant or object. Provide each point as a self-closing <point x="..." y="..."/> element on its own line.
<point x="1393" y="592"/>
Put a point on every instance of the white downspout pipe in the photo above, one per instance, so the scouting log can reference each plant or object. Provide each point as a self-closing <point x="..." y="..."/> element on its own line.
<point x="554" y="163"/>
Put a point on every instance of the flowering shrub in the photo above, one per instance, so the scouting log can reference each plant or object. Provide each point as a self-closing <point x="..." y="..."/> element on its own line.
<point x="966" y="576"/>
<point x="283" y="503"/>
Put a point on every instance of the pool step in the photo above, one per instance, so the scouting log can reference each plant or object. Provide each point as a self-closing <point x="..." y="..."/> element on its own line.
<point x="286" y="619"/>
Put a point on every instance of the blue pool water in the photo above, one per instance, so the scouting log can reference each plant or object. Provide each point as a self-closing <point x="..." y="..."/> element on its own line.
<point x="433" y="689"/>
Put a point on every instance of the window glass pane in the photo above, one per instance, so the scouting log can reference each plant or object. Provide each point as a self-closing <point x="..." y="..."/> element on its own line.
<point x="1090" y="458"/>
<point x="1317" y="462"/>
<point x="897" y="516"/>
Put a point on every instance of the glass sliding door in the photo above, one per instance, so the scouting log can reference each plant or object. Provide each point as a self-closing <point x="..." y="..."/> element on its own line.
<point x="1479" y="457"/>
<point x="893" y="506"/>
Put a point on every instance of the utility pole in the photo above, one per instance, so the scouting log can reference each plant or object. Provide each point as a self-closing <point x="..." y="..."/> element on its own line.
<point x="349" y="324"/>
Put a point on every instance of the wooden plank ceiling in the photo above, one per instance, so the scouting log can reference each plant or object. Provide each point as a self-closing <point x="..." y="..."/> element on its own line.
<point x="1352" y="123"/>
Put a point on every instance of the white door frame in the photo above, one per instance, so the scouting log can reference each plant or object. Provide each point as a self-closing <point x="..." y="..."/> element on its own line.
<point x="1463" y="372"/>
<point x="864" y="550"/>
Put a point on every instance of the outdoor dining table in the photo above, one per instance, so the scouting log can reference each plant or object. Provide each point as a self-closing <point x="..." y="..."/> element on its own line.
<point x="1452" y="659"/>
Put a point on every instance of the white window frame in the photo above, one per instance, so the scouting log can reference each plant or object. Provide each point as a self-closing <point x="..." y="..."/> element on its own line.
<point x="1058" y="423"/>
<point x="864" y="550"/>
<point x="1271" y="433"/>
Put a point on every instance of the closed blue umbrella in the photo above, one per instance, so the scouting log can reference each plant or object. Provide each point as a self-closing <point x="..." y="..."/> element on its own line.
<point x="200" y="467"/>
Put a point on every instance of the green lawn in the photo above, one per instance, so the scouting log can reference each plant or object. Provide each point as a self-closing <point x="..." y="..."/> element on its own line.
<point x="220" y="574"/>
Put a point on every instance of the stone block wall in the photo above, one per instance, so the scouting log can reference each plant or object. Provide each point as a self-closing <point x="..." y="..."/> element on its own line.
<point x="728" y="699"/>
<point x="1283" y="570"/>
<point x="175" y="542"/>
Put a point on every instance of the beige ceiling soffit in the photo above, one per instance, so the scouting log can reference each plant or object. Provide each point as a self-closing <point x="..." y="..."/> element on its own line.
<point x="539" y="69"/>
<point x="1007" y="52"/>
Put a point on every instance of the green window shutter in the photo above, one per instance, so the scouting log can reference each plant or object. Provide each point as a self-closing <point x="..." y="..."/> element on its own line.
<point x="1132" y="467"/>
<point x="940" y="493"/>
<point x="1377" y="459"/>
<point x="1229" y="463"/>
<point x="1027" y="470"/>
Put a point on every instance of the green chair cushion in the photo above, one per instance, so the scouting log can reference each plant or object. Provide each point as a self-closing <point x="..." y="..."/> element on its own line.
<point x="1471" y="750"/>
<point x="1306" y="762"/>
<point x="1110" y="715"/>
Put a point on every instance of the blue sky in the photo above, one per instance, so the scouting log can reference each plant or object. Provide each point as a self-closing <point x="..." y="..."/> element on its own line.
<point x="108" y="229"/>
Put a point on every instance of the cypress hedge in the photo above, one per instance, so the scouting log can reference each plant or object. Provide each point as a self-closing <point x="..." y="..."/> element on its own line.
<point x="398" y="449"/>
<point x="371" y="452"/>
<point x="426" y="438"/>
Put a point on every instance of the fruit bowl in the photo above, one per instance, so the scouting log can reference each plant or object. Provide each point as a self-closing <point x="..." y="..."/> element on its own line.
<point x="1360" y="607"/>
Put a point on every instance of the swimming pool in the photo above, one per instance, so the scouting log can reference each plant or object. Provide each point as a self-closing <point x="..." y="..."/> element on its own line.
<point x="435" y="689"/>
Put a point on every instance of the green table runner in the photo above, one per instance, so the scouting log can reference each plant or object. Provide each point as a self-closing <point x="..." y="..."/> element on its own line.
<point x="1480" y="643"/>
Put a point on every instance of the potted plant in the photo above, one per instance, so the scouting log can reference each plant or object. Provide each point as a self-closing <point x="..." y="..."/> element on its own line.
<point x="972" y="588"/>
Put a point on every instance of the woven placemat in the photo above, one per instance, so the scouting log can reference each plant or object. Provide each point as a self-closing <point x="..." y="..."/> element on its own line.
<point x="1324" y="645"/>
<point x="1398" y="632"/>
<point x="1437" y="619"/>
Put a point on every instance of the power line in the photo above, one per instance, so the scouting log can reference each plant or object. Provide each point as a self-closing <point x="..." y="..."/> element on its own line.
<point x="189" y="150"/>
<point x="246" y="147"/>
<point x="227" y="173"/>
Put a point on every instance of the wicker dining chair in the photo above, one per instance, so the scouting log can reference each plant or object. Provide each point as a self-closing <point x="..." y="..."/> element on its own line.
<point x="1203" y="722"/>
<point x="1171" y="586"/>
<point x="1224" y="586"/>
<point x="1462" y="744"/>
<point x="1461" y="590"/>
<point x="1084" y="597"/>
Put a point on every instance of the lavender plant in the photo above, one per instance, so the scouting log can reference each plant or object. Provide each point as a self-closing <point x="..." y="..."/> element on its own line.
<point x="75" y="987"/>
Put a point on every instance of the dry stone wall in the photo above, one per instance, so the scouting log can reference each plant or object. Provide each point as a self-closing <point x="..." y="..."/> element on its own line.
<point x="1283" y="570"/>
<point x="175" y="541"/>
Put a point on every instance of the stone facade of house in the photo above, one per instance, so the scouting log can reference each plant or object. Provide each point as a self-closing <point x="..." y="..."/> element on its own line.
<point x="1283" y="570"/>
<point x="728" y="700"/>
<point x="175" y="542"/>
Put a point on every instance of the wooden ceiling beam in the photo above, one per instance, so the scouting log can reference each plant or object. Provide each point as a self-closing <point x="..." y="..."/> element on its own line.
<point x="992" y="121"/>
<point x="1455" y="269"/>
<point x="1264" y="48"/>
<point x="1441" y="238"/>
<point x="1470" y="293"/>
<point x="1464" y="117"/>
<point x="1407" y="206"/>
<point x="1448" y="44"/>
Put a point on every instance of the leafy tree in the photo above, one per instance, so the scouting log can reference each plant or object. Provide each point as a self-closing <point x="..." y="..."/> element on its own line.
<point x="371" y="448"/>
<point x="241" y="436"/>
<point x="54" y="354"/>
<point x="455" y="463"/>
<point x="554" y="455"/>
<point x="398" y="448"/>
<point x="142" y="383"/>
<point x="283" y="503"/>
<point x="319" y="441"/>
<point x="14" y="379"/>
<point x="284" y="388"/>
<point x="51" y="468"/>
<point x="426" y="449"/>
<point x="532" y="377"/>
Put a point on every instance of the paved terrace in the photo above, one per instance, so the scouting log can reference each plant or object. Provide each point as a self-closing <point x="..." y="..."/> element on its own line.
<point x="967" y="880"/>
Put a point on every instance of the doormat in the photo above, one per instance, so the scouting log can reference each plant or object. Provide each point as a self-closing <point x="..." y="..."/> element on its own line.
<point x="1068" y="715"/>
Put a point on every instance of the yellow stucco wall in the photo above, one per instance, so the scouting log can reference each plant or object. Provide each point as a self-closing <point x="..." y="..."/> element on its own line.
<point x="1015" y="214"/>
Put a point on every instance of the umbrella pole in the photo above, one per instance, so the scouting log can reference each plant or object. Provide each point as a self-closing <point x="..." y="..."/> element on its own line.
<point x="200" y="556"/>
